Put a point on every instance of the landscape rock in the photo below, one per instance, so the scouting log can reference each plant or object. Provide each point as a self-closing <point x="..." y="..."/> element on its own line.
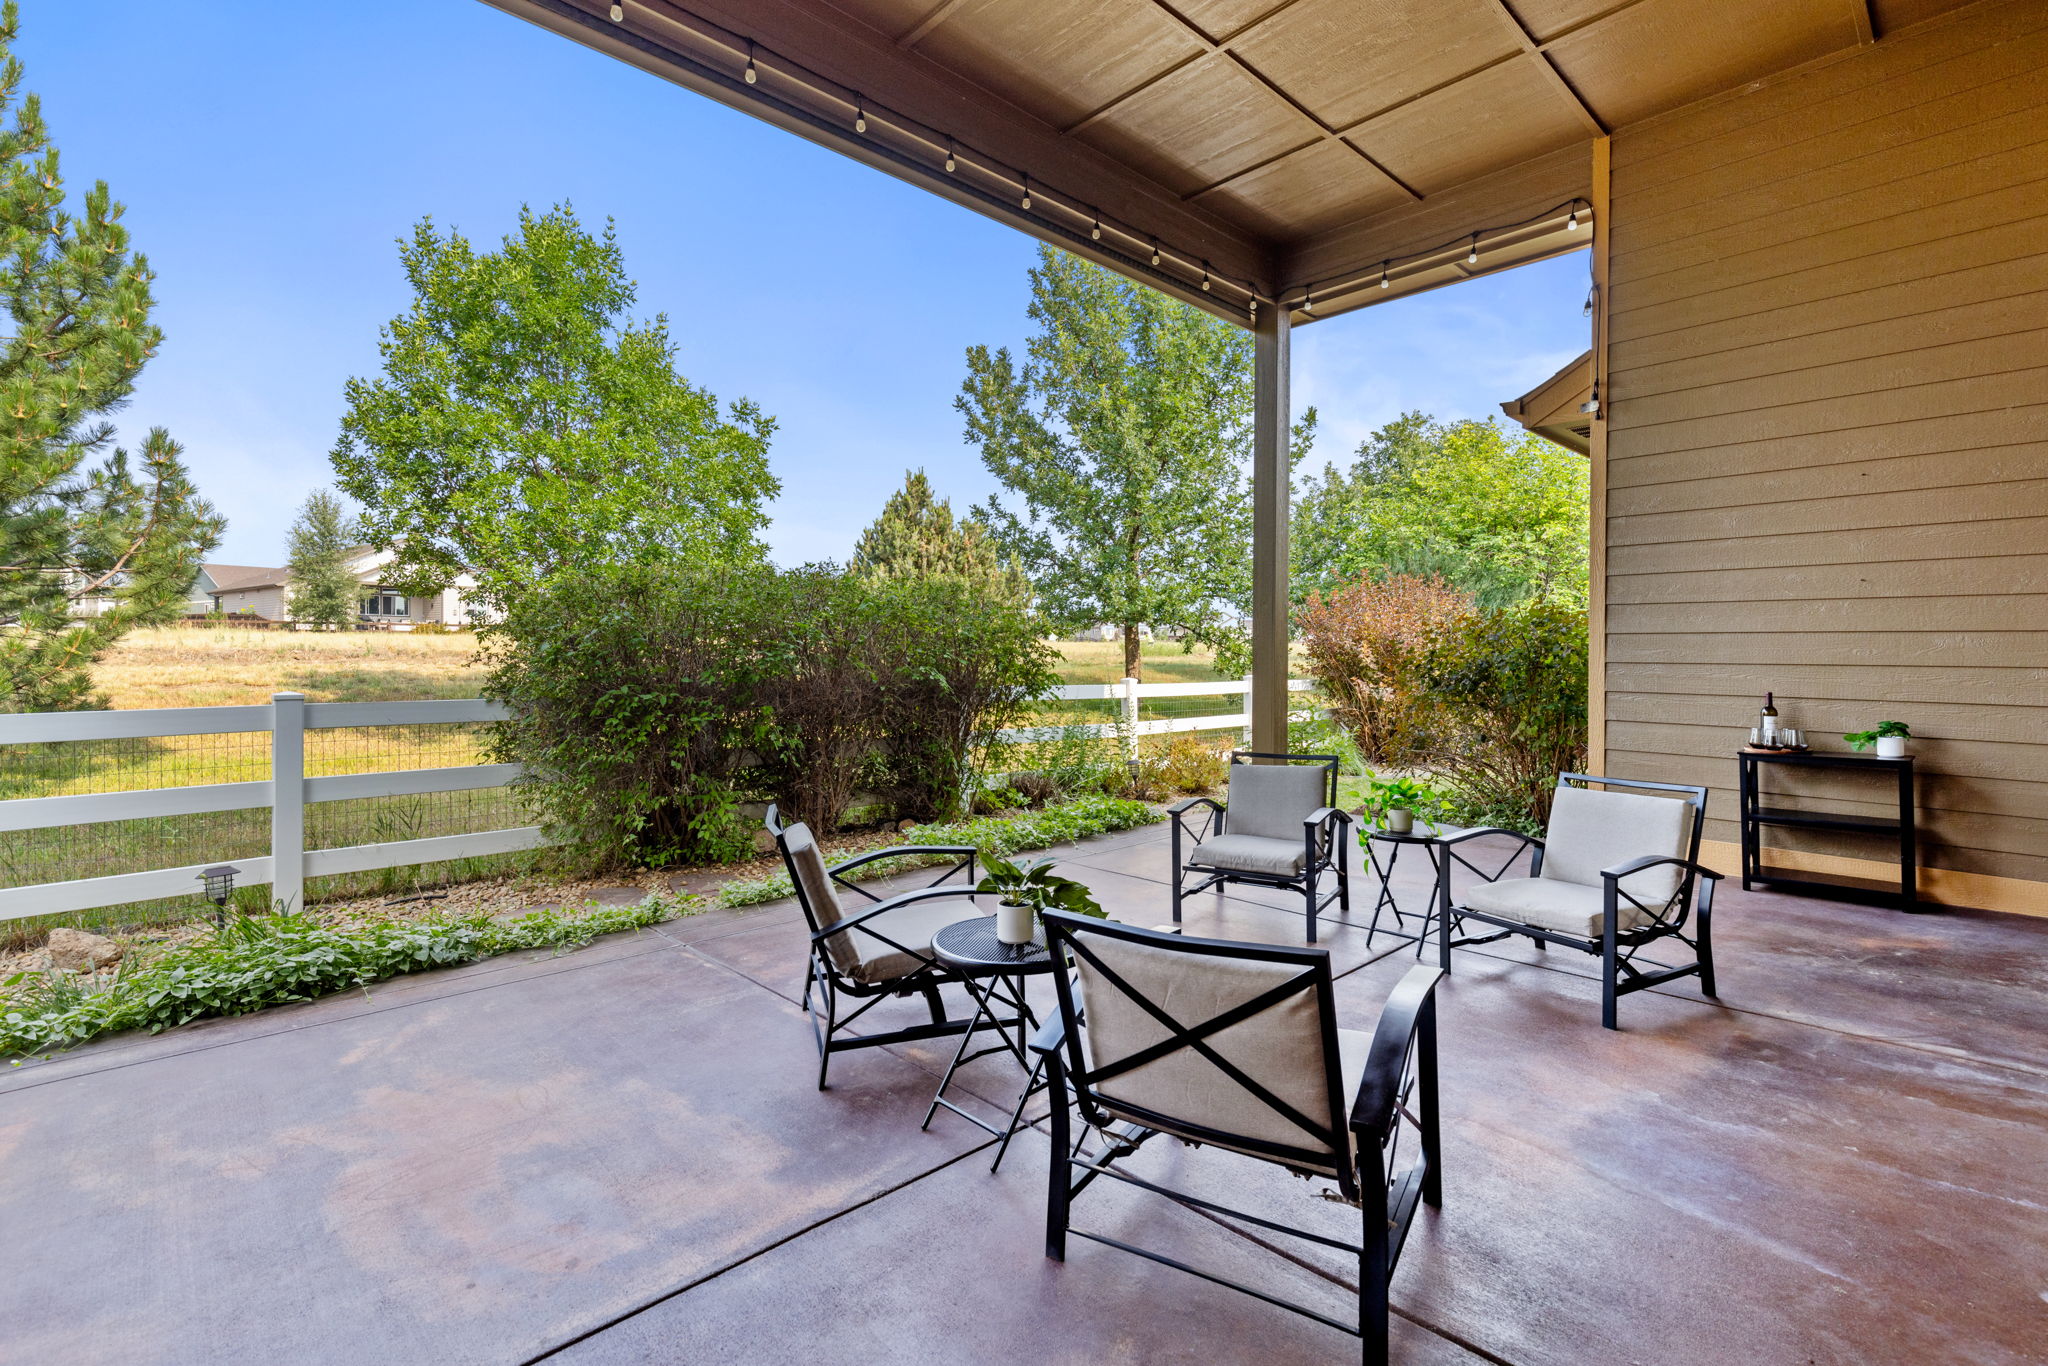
<point x="81" y="951"/>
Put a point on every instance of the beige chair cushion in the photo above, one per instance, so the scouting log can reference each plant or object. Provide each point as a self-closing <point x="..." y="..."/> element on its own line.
<point x="1272" y="800"/>
<point x="1251" y="854"/>
<point x="864" y="956"/>
<point x="1591" y="830"/>
<point x="1281" y="1047"/>
<point x="1548" y="904"/>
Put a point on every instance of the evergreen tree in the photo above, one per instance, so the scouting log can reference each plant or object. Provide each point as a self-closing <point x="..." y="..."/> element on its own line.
<point x="917" y="537"/>
<point x="524" y="424"/>
<point x="91" y="544"/>
<point x="1127" y="435"/>
<point x="323" y="589"/>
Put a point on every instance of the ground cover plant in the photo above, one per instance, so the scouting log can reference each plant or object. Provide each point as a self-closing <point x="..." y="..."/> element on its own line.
<point x="259" y="961"/>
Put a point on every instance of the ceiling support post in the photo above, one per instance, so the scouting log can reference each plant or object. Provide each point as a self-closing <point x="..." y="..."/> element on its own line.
<point x="1272" y="497"/>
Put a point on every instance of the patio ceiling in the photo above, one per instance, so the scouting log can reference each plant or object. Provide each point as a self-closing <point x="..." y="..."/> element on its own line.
<point x="1283" y="150"/>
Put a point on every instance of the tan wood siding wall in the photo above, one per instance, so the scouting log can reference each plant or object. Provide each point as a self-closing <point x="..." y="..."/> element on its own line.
<point x="1827" y="461"/>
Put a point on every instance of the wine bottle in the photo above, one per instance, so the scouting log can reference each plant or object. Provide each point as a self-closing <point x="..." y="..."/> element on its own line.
<point x="1767" y="723"/>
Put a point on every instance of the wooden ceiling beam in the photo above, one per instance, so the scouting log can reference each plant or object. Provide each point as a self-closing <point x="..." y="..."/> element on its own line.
<point x="938" y="15"/>
<point x="1865" y="21"/>
<point x="1535" y="53"/>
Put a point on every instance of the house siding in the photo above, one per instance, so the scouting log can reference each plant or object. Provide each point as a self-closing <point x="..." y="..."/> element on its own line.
<point x="1827" y="437"/>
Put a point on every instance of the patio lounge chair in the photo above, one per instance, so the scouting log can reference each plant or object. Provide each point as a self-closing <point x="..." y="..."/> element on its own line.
<point x="1236" y="1046"/>
<point x="877" y="951"/>
<point x="1279" y="827"/>
<point x="1615" y="872"/>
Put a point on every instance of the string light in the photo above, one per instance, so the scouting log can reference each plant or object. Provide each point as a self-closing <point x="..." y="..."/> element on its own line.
<point x="1096" y="231"/>
<point x="951" y="164"/>
<point x="618" y="12"/>
<point x="749" y="75"/>
<point x="860" y="116"/>
<point x="1205" y="277"/>
<point x="1572" y="224"/>
<point x="1308" y="304"/>
<point x="1155" y="253"/>
<point x="1027" y="192"/>
<point x="1472" y="257"/>
<point x="1383" y="274"/>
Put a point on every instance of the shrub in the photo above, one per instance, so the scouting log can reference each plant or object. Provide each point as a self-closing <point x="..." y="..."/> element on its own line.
<point x="1366" y="644"/>
<point x="1512" y="685"/>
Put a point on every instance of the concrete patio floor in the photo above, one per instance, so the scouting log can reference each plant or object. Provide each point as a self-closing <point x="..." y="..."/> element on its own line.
<point x="617" y="1155"/>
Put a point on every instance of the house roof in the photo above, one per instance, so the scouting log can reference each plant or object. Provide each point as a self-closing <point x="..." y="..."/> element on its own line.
<point x="1551" y="409"/>
<point x="1278" y="150"/>
<point x="236" y="577"/>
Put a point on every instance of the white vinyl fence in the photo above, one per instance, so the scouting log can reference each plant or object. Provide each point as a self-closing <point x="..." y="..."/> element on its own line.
<point x="288" y="791"/>
<point x="287" y="794"/>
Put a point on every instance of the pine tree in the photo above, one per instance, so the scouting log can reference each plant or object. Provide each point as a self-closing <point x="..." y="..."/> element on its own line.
<point x="80" y="527"/>
<point x="917" y="537"/>
<point x="323" y="589"/>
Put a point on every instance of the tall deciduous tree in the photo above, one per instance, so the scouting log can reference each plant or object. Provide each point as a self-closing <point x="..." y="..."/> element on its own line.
<point x="91" y="544"/>
<point x="918" y="537"/>
<point x="1127" y="435"/>
<point x="524" y="424"/>
<point x="1496" y="512"/>
<point x="324" y="590"/>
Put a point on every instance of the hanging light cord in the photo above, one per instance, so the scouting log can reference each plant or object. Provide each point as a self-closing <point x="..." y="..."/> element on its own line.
<point x="1467" y="244"/>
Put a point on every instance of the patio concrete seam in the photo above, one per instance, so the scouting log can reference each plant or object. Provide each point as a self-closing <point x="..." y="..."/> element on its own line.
<point x="196" y="1049"/>
<point x="685" y="1288"/>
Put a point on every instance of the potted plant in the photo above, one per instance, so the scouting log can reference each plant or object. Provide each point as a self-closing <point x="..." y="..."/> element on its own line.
<point x="1889" y="736"/>
<point x="1392" y="803"/>
<point x="1027" y="890"/>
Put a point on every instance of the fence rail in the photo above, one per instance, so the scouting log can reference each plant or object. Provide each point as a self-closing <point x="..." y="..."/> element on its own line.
<point x="287" y="793"/>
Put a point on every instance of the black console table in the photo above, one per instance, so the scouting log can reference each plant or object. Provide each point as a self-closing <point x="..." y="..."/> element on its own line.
<point x="1756" y="815"/>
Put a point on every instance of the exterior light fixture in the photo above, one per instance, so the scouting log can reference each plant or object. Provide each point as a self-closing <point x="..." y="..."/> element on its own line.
<point x="1095" y="231"/>
<point x="220" y="885"/>
<point x="951" y="162"/>
<point x="1572" y="224"/>
<point x="618" y="12"/>
<point x="1592" y="403"/>
<point x="1308" y="304"/>
<point x="1027" y="192"/>
<point x="1155" y="253"/>
<point x="860" y="117"/>
<point x="1472" y="257"/>
<point x="1383" y="275"/>
<point x="750" y="75"/>
<point x="1205" y="277"/>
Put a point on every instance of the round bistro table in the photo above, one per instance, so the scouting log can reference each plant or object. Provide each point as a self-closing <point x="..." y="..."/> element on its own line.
<point x="1373" y="839"/>
<point x="993" y="973"/>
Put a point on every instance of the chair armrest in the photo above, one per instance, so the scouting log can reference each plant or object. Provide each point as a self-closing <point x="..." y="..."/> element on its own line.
<point x="1051" y="1036"/>
<point x="956" y="850"/>
<point x="1182" y="807"/>
<point x="1379" y="1089"/>
<point x="1322" y="815"/>
<point x="921" y="894"/>
<point x="1479" y="830"/>
<point x="1636" y="865"/>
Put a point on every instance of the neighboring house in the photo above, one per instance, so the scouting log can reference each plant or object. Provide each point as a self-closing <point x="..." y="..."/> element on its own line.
<point x="1103" y="630"/>
<point x="1560" y="407"/>
<point x="260" y="591"/>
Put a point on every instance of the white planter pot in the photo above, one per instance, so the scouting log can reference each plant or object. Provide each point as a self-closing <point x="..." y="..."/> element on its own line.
<point x="1013" y="923"/>
<point x="1891" y="746"/>
<point x="1400" y="820"/>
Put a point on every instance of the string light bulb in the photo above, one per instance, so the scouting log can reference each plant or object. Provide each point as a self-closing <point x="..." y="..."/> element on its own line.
<point x="1308" y="304"/>
<point x="1095" y="231"/>
<point x="618" y="12"/>
<point x="1205" y="277"/>
<point x="951" y="163"/>
<point x="1383" y="274"/>
<point x="1155" y="253"/>
<point x="1472" y="256"/>
<point x="750" y="75"/>
<point x="1027" y="192"/>
<point x="1572" y="224"/>
<point x="860" y="116"/>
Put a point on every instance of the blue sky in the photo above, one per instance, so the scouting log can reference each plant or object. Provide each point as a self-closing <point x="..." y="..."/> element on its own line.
<point x="270" y="154"/>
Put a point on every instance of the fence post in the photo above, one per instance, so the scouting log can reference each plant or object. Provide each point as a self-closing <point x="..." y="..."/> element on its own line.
<point x="1247" y="711"/>
<point x="288" y="800"/>
<point x="1130" y="721"/>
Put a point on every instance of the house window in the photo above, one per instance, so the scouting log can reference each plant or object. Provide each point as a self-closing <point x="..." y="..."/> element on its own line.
<point x="384" y="605"/>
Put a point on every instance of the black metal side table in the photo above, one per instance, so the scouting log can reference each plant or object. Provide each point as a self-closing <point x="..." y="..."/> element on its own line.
<point x="993" y="973"/>
<point x="1373" y="840"/>
<point x="1898" y="831"/>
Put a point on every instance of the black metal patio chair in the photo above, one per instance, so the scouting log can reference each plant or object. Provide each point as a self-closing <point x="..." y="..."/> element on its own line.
<point x="1615" y="872"/>
<point x="1236" y="1046"/>
<point x="1279" y="826"/>
<point x="877" y="951"/>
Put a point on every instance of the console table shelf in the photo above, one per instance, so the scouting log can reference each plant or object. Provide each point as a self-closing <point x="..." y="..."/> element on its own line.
<point x="1903" y="894"/>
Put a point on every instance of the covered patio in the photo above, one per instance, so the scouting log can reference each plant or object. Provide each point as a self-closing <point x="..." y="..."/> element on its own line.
<point x="617" y="1155"/>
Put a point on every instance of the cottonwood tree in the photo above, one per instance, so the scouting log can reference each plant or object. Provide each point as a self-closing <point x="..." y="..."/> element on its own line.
<point x="525" y="424"/>
<point x="917" y="536"/>
<point x="1126" y="434"/>
<point x="92" y="543"/>
<point x="324" y="590"/>
<point x="1498" y="513"/>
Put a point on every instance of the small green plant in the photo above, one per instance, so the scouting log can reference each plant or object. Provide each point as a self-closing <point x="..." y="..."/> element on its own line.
<point x="1416" y="795"/>
<point x="1883" y="730"/>
<point x="1036" y="885"/>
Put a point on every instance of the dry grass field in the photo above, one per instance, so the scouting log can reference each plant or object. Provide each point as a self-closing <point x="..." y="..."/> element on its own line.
<point x="175" y="666"/>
